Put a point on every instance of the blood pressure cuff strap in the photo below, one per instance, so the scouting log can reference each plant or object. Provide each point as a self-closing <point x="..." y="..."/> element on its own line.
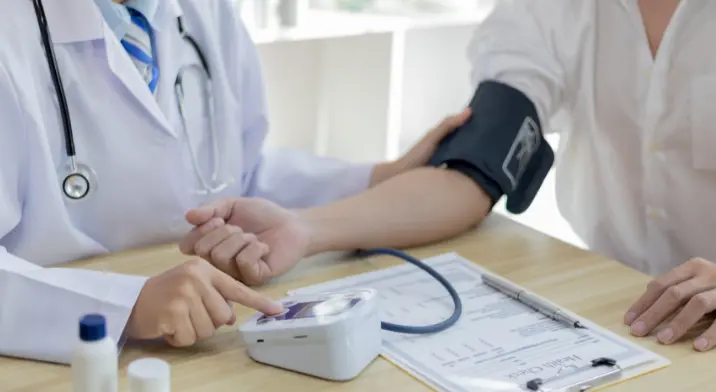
<point x="501" y="147"/>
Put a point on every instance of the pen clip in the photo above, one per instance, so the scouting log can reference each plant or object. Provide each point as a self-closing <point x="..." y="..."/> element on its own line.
<point x="613" y="372"/>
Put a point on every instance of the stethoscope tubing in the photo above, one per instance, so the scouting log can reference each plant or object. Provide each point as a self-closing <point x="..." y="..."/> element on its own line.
<point x="56" y="79"/>
<point x="74" y="171"/>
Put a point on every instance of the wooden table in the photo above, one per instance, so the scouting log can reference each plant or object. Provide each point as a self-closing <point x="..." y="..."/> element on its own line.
<point x="586" y="283"/>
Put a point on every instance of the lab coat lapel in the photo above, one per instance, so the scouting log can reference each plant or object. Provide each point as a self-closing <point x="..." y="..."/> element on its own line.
<point x="122" y="66"/>
<point x="72" y="21"/>
<point x="125" y="70"/>
<point x="169" y="50"/>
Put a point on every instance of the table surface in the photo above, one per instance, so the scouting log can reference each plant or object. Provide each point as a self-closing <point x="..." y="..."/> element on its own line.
<point x="586" y="283"/>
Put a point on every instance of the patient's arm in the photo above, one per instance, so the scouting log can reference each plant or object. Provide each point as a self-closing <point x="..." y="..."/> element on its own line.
<point x="254" y="240"/>
<point x="414" y="208"/>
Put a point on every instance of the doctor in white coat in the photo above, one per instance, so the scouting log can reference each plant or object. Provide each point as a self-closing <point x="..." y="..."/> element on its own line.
<point x="147" y="164"/>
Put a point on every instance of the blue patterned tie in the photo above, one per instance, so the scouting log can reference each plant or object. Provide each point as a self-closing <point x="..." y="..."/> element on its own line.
<point x="139" y="43"/>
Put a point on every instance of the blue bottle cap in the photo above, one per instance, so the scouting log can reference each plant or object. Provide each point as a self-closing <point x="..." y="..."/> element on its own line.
<point x="92" y="328"/>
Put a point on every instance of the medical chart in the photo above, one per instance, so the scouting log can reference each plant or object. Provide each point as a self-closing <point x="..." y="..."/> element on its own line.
<point x="498" y="344"/>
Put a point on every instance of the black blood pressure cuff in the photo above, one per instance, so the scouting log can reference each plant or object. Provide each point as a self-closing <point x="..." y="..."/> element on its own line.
<point x="501" y="147"/>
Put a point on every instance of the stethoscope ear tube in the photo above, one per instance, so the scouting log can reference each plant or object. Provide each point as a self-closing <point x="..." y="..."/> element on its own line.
<point x="56" y="79"/>
<point x="192" y="42"/>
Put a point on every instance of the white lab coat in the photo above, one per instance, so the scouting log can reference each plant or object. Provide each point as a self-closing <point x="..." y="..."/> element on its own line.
<point x="135" y="145"/>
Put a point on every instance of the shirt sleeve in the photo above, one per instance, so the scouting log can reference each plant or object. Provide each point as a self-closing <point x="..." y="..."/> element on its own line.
<point x="290" y="178"/>
<point x="40" y="308"/>
<point x="517" y="44"/>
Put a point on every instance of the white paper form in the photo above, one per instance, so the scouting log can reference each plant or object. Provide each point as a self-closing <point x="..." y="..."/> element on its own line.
<point x="498" y="345"/>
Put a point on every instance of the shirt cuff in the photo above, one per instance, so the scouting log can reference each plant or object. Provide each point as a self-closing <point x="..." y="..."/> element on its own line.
<point x="357" y="179"/>
<point x="41" y="309"/>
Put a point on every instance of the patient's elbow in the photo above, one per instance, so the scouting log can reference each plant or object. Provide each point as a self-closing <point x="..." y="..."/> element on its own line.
<point x="464" y="202"/>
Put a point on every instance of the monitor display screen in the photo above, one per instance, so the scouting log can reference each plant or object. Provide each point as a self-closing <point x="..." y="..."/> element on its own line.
<point x="312" y="309"/>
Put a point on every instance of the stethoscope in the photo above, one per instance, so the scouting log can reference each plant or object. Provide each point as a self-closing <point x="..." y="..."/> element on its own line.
<point x="78" y="179"/>
<point x="214" y="185"/>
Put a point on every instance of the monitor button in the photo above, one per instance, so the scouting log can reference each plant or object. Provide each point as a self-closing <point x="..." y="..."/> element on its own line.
<point x="264" y="321"/>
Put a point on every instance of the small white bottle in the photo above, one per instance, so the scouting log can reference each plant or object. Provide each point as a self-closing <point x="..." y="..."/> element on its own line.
<point x="95" y="362"/>
<point x="149" y="375"/>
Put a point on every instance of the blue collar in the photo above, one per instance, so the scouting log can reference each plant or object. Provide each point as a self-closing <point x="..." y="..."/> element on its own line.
<point x="117" y="17"/>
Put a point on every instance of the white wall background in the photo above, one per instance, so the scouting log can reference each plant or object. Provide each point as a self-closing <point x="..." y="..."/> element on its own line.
<point x="366" y="87"/>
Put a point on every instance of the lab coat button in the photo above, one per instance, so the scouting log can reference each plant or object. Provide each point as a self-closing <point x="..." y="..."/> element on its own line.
<point x="656" y="149"/>
<point x="656" y="213"/>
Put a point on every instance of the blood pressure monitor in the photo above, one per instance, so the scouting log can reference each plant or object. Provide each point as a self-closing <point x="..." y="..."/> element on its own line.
<point x="333" y="336"/>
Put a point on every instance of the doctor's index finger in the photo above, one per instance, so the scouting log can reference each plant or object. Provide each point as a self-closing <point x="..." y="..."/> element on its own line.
<point x="235" y="291"/>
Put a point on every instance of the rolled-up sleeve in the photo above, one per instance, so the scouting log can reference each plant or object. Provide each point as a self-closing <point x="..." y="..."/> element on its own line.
<point x="517" y="45"/>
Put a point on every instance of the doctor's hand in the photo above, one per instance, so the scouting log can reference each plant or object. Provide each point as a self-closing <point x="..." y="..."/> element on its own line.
<point x="687" y="293"/>
<point x="189" y="303"/>
<point x="250" y="239"/>
<point x="420" y="154"/>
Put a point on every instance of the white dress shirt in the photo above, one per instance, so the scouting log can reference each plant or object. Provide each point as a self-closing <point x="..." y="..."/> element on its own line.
<point x="636" y="165"/>
<point x="116" y="15"/>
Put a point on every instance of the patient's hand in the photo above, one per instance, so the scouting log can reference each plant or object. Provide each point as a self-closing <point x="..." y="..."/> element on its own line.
<point x="687" y="293"/>
<point x="421" y="153"/>
<point x="252" y="240"/>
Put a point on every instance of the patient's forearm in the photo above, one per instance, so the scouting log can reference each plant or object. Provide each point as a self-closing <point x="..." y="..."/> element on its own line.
<point x="414" y="208"/>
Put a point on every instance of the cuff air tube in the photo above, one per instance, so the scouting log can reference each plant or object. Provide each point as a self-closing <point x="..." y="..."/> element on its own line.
<point x="501" y="147"/>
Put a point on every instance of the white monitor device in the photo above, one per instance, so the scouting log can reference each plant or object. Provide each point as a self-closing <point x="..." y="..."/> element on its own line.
<point x="333" y="336"/>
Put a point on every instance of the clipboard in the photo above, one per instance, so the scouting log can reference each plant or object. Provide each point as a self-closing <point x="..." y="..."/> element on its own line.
<point x="615" y="360"/>
<point x="607" y="370"/>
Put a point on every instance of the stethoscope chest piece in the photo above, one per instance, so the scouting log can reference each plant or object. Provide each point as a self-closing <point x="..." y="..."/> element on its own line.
<point x="78" y="181"/>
